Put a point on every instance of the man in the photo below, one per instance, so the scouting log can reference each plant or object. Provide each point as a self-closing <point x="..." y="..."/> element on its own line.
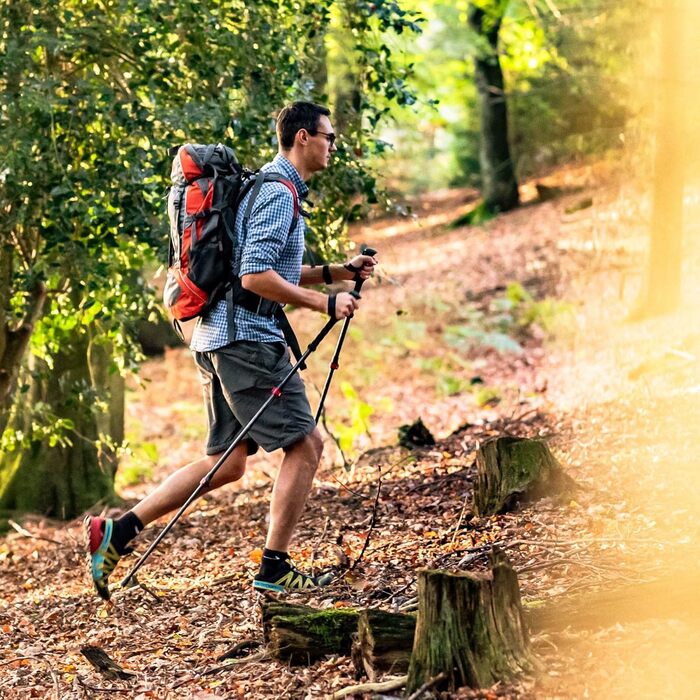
<point x="238" y="372"/>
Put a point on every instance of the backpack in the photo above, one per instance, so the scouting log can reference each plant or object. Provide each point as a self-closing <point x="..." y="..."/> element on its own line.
<point x="208" y="184"/>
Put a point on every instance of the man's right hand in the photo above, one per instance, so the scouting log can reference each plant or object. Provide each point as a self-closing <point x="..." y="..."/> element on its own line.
<point x="345" y="305"/>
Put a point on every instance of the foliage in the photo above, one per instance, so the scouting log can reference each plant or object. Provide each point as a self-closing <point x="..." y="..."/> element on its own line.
<point x="570" y="73"/>
<point x="93" y="96"/>
<point x="365" y="82"/>
<point x="358" y="423"/>
<point x="508" y="320"/>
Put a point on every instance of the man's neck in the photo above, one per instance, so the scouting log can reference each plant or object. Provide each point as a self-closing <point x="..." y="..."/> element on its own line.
<point x="296" y="162"/>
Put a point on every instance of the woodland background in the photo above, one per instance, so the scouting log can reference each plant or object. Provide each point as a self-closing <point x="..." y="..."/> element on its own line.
<point x="527" y="170"/>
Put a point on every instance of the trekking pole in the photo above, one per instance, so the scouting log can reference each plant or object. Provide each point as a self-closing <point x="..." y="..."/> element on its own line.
<point x="335" y="362"/>
<point x="275" y="393"/>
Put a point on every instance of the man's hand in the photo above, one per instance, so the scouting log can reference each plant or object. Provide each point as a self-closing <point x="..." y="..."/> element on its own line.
<point x="362" y="265"/>
<point x="345" y="305"/>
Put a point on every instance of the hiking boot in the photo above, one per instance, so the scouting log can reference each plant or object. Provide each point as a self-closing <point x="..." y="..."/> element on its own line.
<point x="287" y="578"/>
<point x="102" y="552"/>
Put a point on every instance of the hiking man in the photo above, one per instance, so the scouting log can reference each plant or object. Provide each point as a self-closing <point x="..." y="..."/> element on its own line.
<point x="237" y="373"/>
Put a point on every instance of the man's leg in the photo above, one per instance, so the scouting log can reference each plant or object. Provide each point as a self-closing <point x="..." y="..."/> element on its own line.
<point x="107" y="540"/>
<point x="291" y="489"/>
<point x="289" y="494"/>
<point x="180" y="485"/>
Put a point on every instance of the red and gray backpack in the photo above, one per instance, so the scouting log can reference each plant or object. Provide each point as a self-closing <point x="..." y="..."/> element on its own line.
<point x="208" y="184"/>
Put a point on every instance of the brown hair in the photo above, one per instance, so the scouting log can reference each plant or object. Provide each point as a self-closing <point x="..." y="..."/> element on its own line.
<point x="296" y="116"/>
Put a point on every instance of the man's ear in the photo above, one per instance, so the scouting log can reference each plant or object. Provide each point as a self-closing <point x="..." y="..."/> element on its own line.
<point x="302" y="137"/>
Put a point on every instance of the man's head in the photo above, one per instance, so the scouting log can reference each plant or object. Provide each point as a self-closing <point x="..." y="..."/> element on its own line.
<point x="305" y="136"/>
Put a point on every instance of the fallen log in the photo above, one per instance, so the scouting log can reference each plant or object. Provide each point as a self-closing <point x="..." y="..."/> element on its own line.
<point x="512" y="470"/>
<point x="470" y="627"/>
<point x="384" y="643"/>
<point x="672" y="596"/>
<point x="301" y="634"/>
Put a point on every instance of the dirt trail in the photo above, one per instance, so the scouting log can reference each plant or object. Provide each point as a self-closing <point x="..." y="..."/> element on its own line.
<point x="617" y="400"/>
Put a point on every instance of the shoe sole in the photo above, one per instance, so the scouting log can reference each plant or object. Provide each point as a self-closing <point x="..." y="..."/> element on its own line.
<point x="265" y="586"/>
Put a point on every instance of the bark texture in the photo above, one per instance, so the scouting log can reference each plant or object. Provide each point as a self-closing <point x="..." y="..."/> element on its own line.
<point x="63" y="481"/>
<point x="512" y="469"/>
<point x="300" y="634"/>
<point x="470" y="627"/>
<point x="384" y="643"/>
<point x="499" y="185"/>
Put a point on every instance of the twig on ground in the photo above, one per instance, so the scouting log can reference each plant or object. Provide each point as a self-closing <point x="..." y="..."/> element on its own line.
<point x="150" y="592"/>
<point x="410" y="604"/>
<point x="318" y="543"/>
<point x="26" y="533"/>
<point x="98" y="689"/>
<point x="393" y="684"/>
<point x="336" y="440"/>
<point x="427" y="686"/>
<point x="393" y="595"/>
<point x="461" y="516"/>
<point x="54" y="677"/>
<point x="236" y="650"/>
<point x="371" y="526"/>
<point x="260" y="656"/>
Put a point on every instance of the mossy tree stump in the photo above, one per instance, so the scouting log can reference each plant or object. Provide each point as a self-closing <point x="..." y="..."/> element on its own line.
<point x="511" y="469"/>
<point x="300" y="634"/>
<point x="470" y="627"/>
<point x="384" y="643"/>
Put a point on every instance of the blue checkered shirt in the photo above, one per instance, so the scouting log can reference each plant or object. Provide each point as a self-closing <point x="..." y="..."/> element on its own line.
<point x="266" y="245"/>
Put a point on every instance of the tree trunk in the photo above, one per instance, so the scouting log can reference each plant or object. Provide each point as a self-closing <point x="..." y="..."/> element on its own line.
<point x="663" y="284"/>
<point x="347" y="92"/>
<point x="64" y="480"/>
<point x="499" y="186"/>
<point x="299" y="634"/>
<point x="512" y="469"/>
<point x="470" y="627"/>
<point x="384" y="643"/>
<point x="14" y="337"/>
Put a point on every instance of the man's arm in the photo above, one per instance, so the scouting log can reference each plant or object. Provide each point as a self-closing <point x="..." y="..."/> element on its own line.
<point x="272" y="286"/>
<point x="363" y="264"/>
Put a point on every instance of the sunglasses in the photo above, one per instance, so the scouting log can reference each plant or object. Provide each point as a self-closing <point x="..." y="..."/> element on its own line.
<point x="329" y="137"/>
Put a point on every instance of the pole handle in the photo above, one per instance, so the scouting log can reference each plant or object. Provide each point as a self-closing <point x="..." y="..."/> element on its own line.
<point x="359" y="282"/>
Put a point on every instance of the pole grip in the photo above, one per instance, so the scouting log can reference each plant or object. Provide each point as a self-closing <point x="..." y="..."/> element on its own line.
<point x="359" y="282"/>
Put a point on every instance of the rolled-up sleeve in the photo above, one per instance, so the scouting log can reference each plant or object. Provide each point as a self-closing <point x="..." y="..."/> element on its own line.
<point x="268" y="229"/>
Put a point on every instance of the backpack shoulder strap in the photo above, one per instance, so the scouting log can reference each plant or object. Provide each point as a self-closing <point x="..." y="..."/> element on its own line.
<point x="263" y="177"/>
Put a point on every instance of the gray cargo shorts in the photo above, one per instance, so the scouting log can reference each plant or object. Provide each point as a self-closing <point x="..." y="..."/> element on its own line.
<point x="236" y="380"/>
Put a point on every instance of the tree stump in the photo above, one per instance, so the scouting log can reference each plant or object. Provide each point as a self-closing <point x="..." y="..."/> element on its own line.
<point x="470" y="627"/>
<point x="301" y="634"/>
<point x="511" y="469"/>
<point x="384" y="643"/>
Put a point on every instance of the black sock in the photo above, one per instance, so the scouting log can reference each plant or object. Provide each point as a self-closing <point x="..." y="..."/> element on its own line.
<point x="124" y="530"/>
<point x="272" y="561"/>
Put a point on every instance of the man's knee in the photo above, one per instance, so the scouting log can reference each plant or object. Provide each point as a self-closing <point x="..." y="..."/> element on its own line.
<point x="311" y="444"/>
<point x="316" y="443"/>
<point x="231" y="470"/>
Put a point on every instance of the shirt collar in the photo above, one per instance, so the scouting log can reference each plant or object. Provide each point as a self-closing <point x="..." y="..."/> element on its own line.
<point x="281" y="165"/>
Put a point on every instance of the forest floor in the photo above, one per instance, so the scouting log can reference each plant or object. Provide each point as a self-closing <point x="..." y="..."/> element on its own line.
<point x="523" y="326"/>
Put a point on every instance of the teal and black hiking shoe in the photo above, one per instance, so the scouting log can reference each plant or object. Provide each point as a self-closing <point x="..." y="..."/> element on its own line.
<point x="102" y="554"/>
<point x="287" y="578"/>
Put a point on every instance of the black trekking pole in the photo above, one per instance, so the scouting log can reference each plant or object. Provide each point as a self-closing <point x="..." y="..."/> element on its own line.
<point x="276" y="392"/>
<point x="335" y="362"/>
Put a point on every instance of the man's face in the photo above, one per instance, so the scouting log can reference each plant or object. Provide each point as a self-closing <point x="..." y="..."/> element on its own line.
<point x="321" y="145"/>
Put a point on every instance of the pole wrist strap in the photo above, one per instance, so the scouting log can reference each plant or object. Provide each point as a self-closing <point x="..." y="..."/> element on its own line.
<point x="331" y="305"/>
<point x="327" y="277"/>
<point x="355" y="269"/>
